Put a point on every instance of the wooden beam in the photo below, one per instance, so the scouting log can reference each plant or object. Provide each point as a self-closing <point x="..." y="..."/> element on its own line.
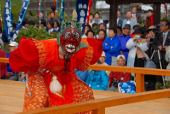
<point x="139" y="70"/>
<point x="140" y="83"/>
<point x="4" y="60"/>
<point x="99" y="111"/>
<point x="156" y="13"/>
<point x="113" y="14"/>
<point x="102" y="103"/>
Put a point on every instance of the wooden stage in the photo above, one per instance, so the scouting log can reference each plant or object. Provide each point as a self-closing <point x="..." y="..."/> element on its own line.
<point x="12" y="98"/>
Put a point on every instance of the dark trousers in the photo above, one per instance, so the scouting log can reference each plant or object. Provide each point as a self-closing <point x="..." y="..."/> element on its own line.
<point x="139" y="62"/>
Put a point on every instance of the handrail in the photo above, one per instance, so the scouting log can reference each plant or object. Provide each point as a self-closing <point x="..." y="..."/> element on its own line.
<point x="139" y="70"/>
<point x="4" y="60"/>
<point x="98" y="106"/>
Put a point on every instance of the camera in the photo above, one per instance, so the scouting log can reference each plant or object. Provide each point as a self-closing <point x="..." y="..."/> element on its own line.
<point x="137" y="36"/>
<point x="149" y="35"/>
<point x="163" y="49"/>
<point x="99" y="62"/>
<point x="115" y="82"/>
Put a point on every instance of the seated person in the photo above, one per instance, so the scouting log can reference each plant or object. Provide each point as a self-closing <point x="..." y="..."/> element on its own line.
<point x="31" y="22"/>
<point x="95" y="28"/>
<point x="102" y="60"/>
<point x="43" y="24"/>
<point x="87" y="27"/>
<point x="52" y="17"/>
<point x="119" y="30"/>
<point x="1" y="41"/>
<point x="56" y="26"/>
<point x="101" y="35"/>
<point x="22" y="77"/>
<point x="98" y="80"/>
<point x="10" y="74"/>
<point x="25" y="24"/>
<point x="50" y="26"/>
<point x="90" y="34"/>
<point x="50" y="29"/>
<point x="82" y="75"/>
<point x="3" y="69"/>
<point x="116" y="77"/>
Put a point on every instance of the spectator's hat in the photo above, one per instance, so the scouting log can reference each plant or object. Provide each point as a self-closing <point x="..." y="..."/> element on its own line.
<point x="13" y="44"/>
<point x="127" y="26"/>
<point x="136" y="25"/>
<point x="121" y="57"/>
<point x="103" y="54"/>
<point x="138" y="29"/>
<point x="151" y="28"/>
<point x="150" y="10"/>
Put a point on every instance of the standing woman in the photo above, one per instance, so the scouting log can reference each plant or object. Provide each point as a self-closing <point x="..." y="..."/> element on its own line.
<point x="102" y="35"/>
<point x="137" y="48"/>
<point x="111" y="46"/>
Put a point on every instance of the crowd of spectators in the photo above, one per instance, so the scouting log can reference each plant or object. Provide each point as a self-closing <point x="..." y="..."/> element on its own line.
<point x="131" y="44"/>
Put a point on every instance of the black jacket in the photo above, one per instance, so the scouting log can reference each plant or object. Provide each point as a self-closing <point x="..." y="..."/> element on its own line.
<point x="158" y="41"/>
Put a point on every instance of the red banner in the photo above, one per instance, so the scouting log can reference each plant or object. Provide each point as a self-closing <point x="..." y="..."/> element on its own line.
<point x="55" y="3"/>
<point x="166" y="9"/>
<point x="88" y="12"/>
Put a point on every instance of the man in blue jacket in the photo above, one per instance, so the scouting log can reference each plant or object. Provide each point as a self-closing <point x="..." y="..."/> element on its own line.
<point x="111" y="46"/>
<point x="123" y="40"/>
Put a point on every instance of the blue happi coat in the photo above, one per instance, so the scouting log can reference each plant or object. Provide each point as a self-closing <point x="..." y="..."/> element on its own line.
<point x="123" y="40"/>
<point x="112" y="49"/>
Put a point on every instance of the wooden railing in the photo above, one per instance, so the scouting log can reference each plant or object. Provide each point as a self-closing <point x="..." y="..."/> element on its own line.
<point x="98" y="106"/>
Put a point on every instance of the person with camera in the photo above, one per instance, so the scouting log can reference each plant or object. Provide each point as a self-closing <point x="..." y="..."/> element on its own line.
<point x="137" y="48"/>
<point x="116" y="77"/>
<point x="151" y="33"/>
<point x="161" y="42"/>
<point x="97" y="79"/>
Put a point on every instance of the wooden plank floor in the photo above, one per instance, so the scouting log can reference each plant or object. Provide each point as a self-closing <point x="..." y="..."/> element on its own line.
<point x="12" y="98"/>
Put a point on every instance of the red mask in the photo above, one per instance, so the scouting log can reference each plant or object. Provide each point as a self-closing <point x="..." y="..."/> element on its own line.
<point x="70" y="39"/>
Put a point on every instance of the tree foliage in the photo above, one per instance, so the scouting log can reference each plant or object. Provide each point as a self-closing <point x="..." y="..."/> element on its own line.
<point x="34" y="32"/>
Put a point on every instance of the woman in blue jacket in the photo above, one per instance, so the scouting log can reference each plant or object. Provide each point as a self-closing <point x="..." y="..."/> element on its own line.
<point x="111" y="45"/>
<point x="98" y="80"/>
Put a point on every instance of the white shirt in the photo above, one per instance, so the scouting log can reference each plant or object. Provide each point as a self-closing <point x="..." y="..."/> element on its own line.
<point x="84" y="36"/>
<point x="56" y="29"/>
<point x="117" y="20"/>
<point x="133" y="15"/>
<point x="24" y="27"/>
<point x="50" y="30"/>
<point x="128" y="22"/>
